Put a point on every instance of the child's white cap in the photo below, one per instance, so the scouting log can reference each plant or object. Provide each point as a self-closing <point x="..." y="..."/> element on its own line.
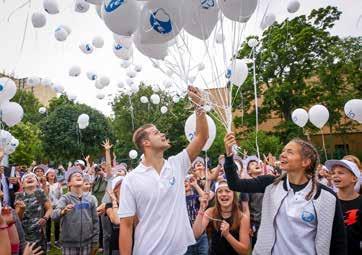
<point x="345" y="163"/>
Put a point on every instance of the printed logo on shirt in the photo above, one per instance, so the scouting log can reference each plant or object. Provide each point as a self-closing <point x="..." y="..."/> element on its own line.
<point x="351" y="217"/>
<point x="172" y="181"/>
<point x="307" y="216"/>
<point x="83" y="205"/>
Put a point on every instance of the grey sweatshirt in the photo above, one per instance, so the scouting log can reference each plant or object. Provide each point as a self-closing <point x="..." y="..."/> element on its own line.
<point x="80" y="226"/>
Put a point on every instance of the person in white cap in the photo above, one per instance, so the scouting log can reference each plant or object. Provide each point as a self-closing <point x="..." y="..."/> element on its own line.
<point x="154" y="192"/>
<point x="345" y="177"/>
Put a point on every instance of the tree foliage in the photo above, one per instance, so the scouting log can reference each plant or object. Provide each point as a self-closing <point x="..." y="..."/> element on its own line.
<point x="30" y="106"/>
<point x="62" y="138"/>
<point x="30" y="145"/>
<point x="298" y="64"/>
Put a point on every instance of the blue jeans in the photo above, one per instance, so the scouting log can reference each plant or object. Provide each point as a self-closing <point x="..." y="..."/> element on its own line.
<point x="201" y="247"/>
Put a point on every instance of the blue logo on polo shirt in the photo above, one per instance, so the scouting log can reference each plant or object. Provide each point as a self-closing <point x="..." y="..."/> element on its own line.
<point x="161" y="22"/>
<point x="112" y="5"/>
<point x="172" y="181"/>
<point x="307" y="216"/>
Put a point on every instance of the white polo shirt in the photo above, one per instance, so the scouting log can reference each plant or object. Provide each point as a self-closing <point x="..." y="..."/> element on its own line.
<point x="296" y="224"/>
<point x="159" y="202"/>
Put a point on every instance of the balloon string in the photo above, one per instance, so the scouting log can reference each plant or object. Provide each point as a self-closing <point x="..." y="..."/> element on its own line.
<point x="207" y="184"/>
<point x="211" y="217"/>
<point x="18" y="9"/>
<point x="324" y="145"/>
<point x="132" y="113"/>
<point x="256" y="106"/>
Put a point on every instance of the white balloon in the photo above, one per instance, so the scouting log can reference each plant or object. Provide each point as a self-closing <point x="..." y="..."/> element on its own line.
<point x="71" y="96"/>
<point x="83" y="126"/>
<point x="120" y="85"/>
<point x="9" y="150"/>
<point x="353" y="109"/>
<point x="98" y="42"/>
<point x="96" y="2"/>
<point x="175" y="99"/>
<point x="91" y="75"/>
<point x="156" y="51"/>
<point x="11" y="113"/>
<point x="318" y="115"/>
<point x="155" y="88"/>
<point x="163" y="109"/>
<point x="239" y="72"/>
<point x="67" y="28"/>
<point x="5" y="138"/>
<point x="125" y="63"/>
<point x="126" y="41"/>
<point x="267" y="21"/>
<point x="131" y="74"/>
<point x="14" y="143"/>
<point x="144" y="100"/>
<point x="135" y="88"/>
<point x="100" y="95"/>
<point x="33" y="81"/>
<point x="121" y="17"/>
<point x="58" y="88"/>
<point x="155" y="99"/>
<point x="161" y="21"/>
<point x="133" y="154"/>
<point x="38" y="19"/>
<point x="293" y="6"/>
<point x="87" y="48"/>
<point x="104" y="80"/>
<point x="129" y="82"/>
<point x="81" y="6"/>
<point x="252" y="42"/>
<point x="238" y="10"/>
<point x="83" y="118"/>
<point x="51" y="6"/>
<point x="74" y="71"/>
<point x="122" y="52"/>
<point x="42" y="110"/>
<point x="190" y="130"/>
<point x="98" y="85"/>
<point x="201" y="17"/>
<point x="61" y="34"/>
<point x="138" y="68"/>
<point x="300" y="117"/>
<point x="7" y="89"/>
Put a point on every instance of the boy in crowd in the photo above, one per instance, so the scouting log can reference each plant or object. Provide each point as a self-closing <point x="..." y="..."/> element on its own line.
<point x="77" y="207"/>
<point x="345" y="177"/>
<point x="34" y="209"/>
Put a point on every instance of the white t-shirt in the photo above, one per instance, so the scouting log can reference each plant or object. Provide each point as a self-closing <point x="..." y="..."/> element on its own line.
<point x="159" y="202"/>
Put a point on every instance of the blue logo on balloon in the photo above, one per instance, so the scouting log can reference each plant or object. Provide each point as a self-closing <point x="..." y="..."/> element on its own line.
<point x="161" y="21"/>
<point x="94" y="77"/>
<point x="307" y="216"/>
<point x="228" y="73"/>
<point x="112" y="5"/>
<point x="206" y="4"/>
<point x="118" y="46"/>
<point x="87" y="47"/>
<point x="350" y="114"/>
<point x="1" y="87"/>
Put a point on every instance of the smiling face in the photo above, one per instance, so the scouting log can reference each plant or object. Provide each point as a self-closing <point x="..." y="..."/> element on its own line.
<point x="224" y="195"/>
<point x="291" y="159"/>
<point x="343" y="178"/>
<point x="254" y="168"/>
<point x="39" y="172"/>
<point x="76" y="180"/>
<point x="30" y="182"/>
<point x="155" y="139"/>
<point x="51" y="176"/>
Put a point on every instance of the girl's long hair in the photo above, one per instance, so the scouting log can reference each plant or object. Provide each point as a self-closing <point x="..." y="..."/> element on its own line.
<point x="236" y="213"/>
<point x="308" y="151"/>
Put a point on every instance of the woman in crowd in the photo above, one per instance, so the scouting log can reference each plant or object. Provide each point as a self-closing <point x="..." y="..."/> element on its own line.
<point x="298" y="215"/>
<point x="228" y="227"/>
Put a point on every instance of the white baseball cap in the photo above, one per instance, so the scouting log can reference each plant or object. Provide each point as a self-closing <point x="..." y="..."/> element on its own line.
<point x="345" y="163"/>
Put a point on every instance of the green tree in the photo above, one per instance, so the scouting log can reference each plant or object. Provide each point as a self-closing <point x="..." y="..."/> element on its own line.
<point x="267" y="143"/>
<point x="30" y="106"/>
<point x="30" y="145"/>
<point x="62" y="138"/>
<point x="298" y="64"/>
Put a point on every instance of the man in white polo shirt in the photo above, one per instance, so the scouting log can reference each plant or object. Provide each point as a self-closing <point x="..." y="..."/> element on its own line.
<point x="154" y="192"/>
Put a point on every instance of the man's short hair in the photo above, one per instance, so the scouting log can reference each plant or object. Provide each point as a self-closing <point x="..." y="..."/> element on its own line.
<point x="141" y="134"/>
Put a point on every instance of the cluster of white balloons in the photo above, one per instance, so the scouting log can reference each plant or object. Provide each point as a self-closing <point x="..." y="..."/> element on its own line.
<point x="11" y="112"/>
<point x="62" y="32"/>
<point x="318" y="114"/>
<point x="83" y="121"/>
<point x="8" y="142"/>
<point x="88" y="48"/>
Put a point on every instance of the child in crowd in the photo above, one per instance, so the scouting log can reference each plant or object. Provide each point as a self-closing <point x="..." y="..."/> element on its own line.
<point x="34" y="209"/>
<point x="75" y="207"/>
<point x="345" y="177"/>
<point x="228" y="226"/>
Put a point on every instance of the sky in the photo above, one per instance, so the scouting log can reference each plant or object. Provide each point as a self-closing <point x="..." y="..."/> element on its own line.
<point x="43" y="56"/>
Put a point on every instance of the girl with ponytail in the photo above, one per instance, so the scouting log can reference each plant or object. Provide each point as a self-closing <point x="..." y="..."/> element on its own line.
<point x="299" y="215"/>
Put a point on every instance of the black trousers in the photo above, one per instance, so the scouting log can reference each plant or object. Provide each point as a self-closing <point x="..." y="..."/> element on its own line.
<point x="56" y="230"/>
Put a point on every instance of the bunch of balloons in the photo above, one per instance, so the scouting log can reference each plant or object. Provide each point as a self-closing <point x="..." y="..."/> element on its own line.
<point x="83" y="121"/>
<point x="11" y="112"/>
<point x="7" y="142"/>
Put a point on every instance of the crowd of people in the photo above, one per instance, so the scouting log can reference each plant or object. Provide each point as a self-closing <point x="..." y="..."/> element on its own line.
<point x="183" y="204"/>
